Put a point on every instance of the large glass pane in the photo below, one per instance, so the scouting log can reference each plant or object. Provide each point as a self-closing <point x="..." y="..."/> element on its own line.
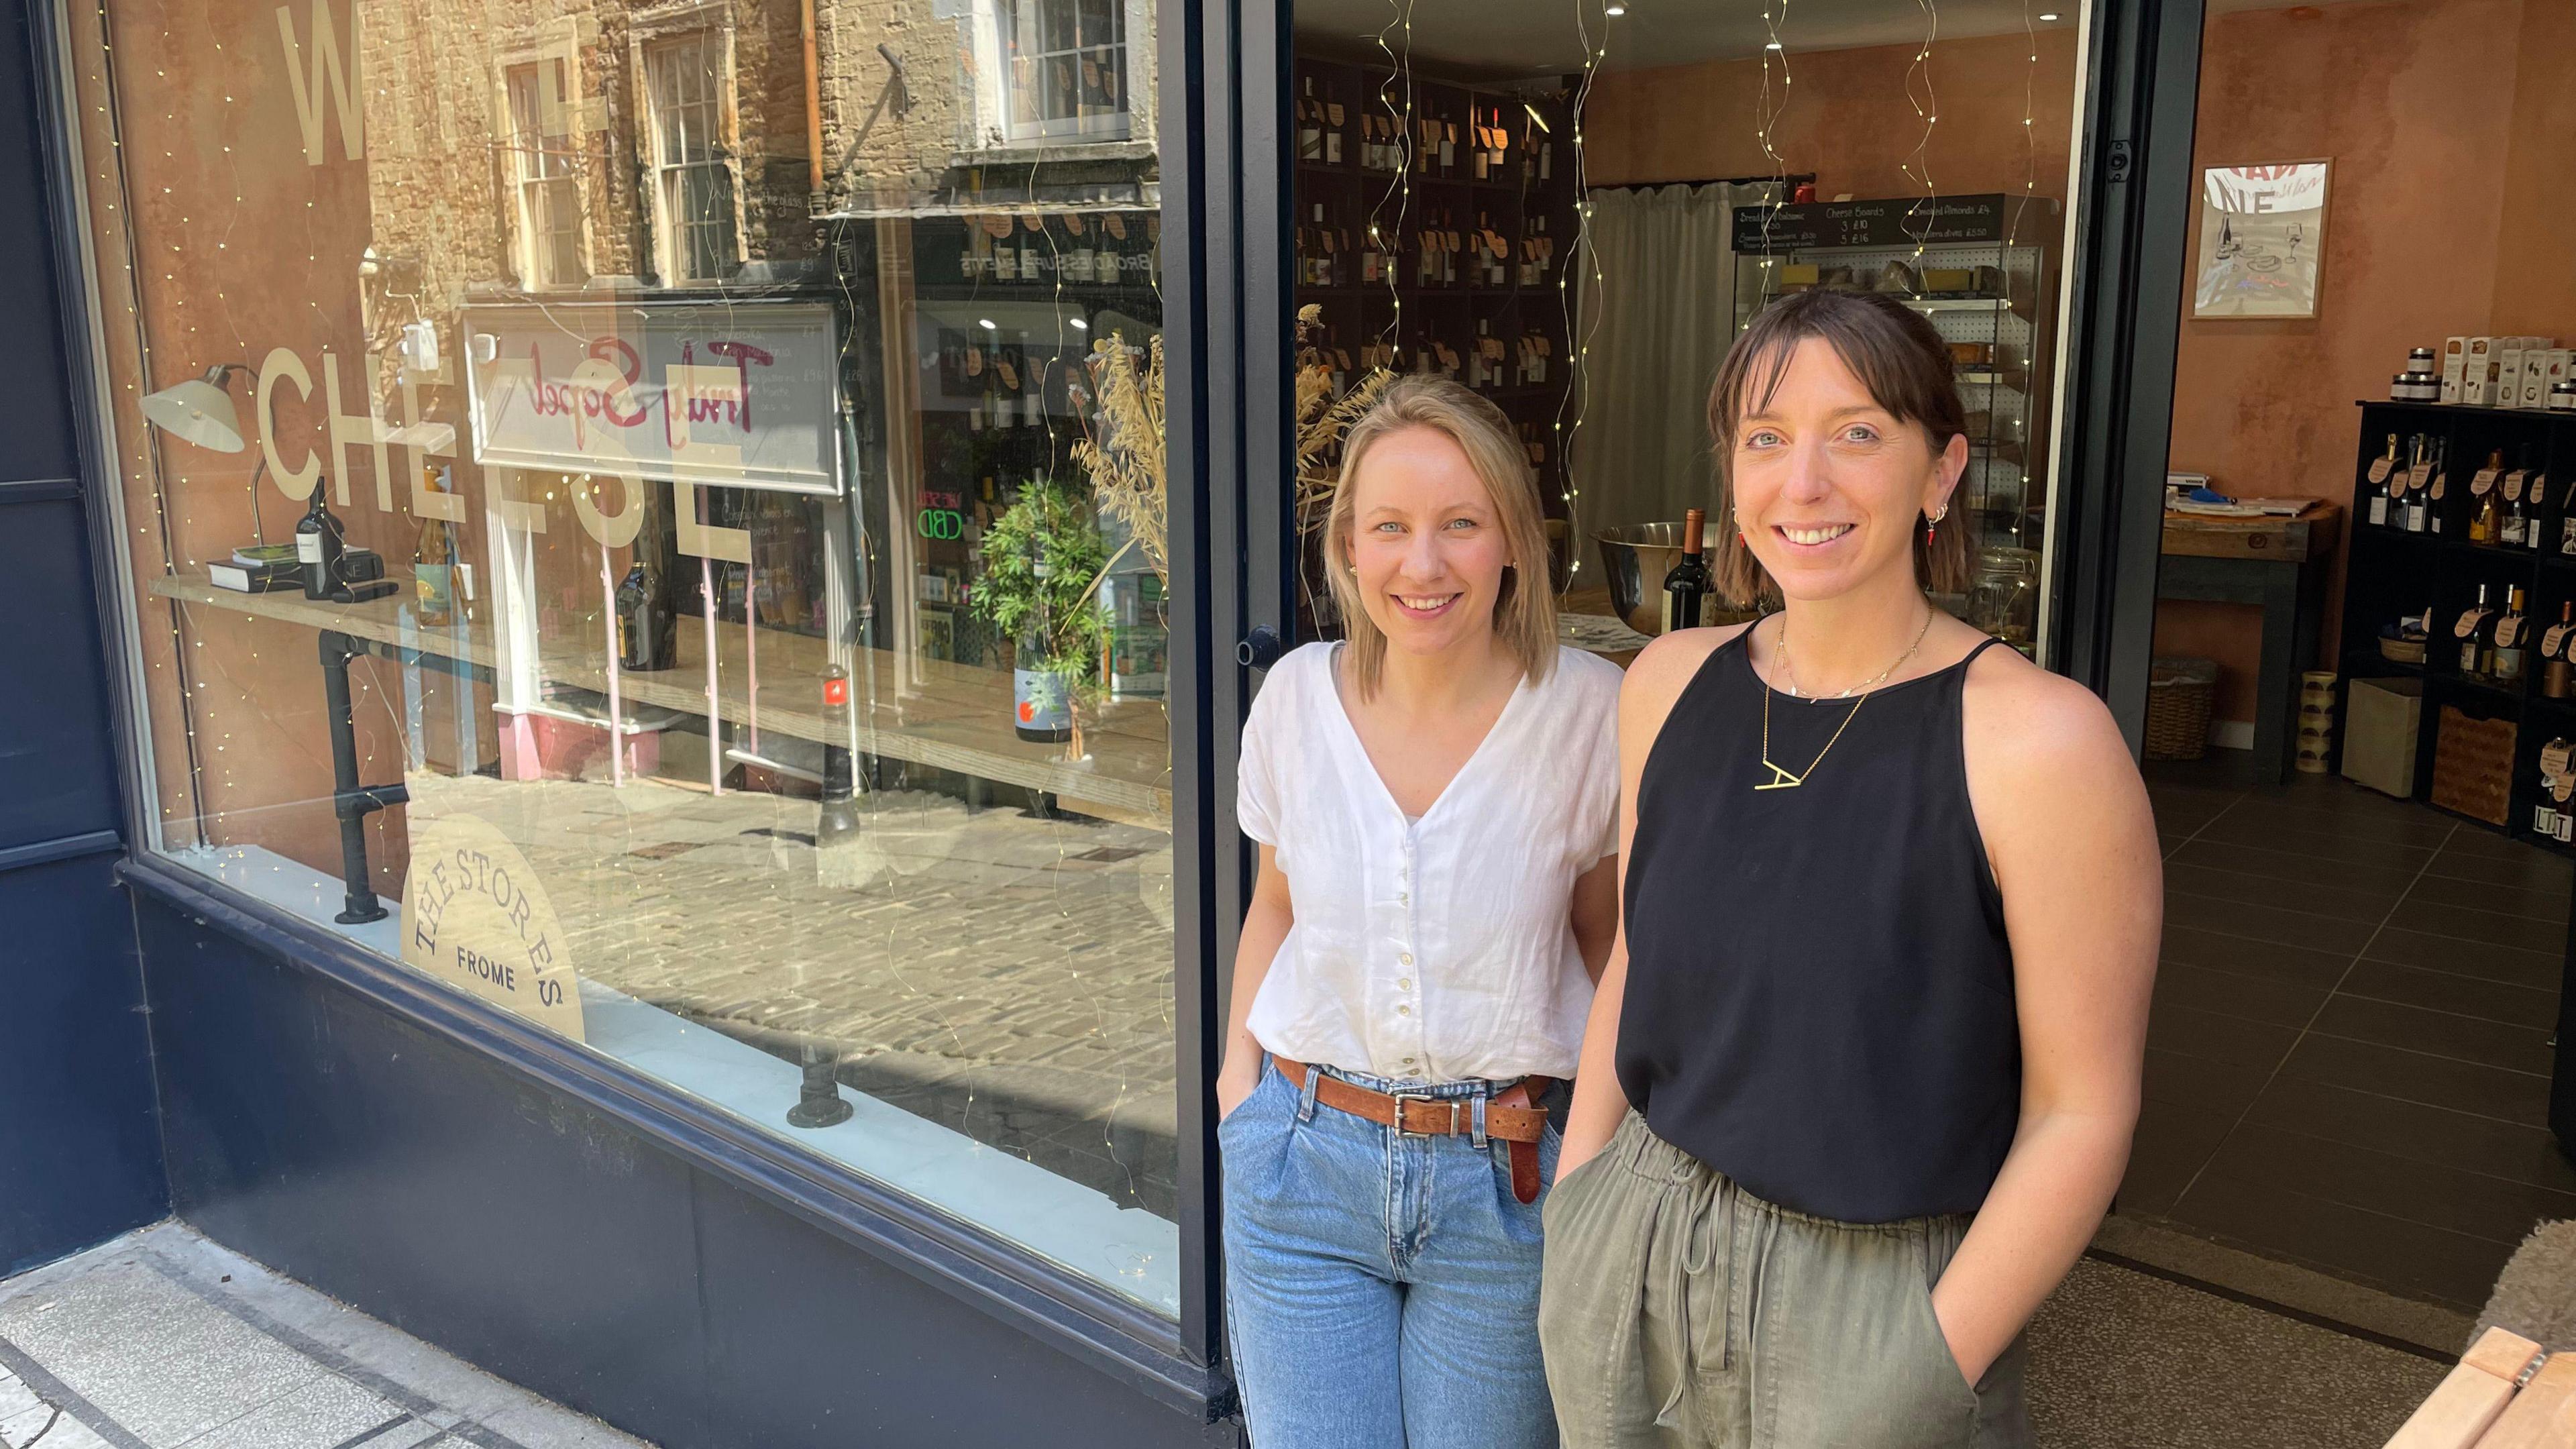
<point x="662" y="530"/>
<point x="1574" y="205"/>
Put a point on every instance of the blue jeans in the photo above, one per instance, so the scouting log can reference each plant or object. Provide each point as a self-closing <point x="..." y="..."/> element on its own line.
<point x="1382" y="1290"/>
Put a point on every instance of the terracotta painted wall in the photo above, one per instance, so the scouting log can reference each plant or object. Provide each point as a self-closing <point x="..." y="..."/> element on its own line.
<point x="1847" y="119"/>
<point x="2450" y="213"/>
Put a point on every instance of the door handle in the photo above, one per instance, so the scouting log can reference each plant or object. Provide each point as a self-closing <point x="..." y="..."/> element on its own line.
<point x="1261" y="648"/>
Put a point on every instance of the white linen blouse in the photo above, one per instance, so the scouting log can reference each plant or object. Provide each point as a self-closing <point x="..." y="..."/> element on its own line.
<point x="1440" y="949"/>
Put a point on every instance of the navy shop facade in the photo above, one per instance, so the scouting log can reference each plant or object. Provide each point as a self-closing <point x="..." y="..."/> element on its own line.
<point x="541" y="793"/>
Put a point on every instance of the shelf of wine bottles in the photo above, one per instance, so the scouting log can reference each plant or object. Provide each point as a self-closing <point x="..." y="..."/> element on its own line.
<point x="2464" y="527"/>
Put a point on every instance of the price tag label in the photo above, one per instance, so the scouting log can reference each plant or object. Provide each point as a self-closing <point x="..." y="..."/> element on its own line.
<point x="2467" y="626"/>
<point x="2482" y="482"/>
<point x="2552" y="637"/>
<point x="994" y="226"/>
<point x="1116" y="225"/>
<point x="2513" y="482"/>
<point x="2508" y="630"/>
<point x="2419" y="474"/>
<point x="2380" y="468"/>
<point x="1011" y="380"/>
<point x="2561" y="786"/>
<point x="1334" y="112"/>
<point x="2440" y="482"/>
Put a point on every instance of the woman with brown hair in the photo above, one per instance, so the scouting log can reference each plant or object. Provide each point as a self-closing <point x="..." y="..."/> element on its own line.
<point x="1433" y="799"/>
<point x="1861" y="1074"/>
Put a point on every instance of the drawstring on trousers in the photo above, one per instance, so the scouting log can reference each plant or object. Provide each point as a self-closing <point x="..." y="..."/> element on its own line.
<point x="1713" y="1205"/>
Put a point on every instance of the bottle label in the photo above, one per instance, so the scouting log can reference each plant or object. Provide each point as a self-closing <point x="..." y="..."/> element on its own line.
<point x="1040" y="700"/>
<point x="308" y="547"/>
<point x="2380" y="468"/>
<point x="2513" y="485"/>
<point x="2508" y="629"/>
<point x="2483" y="482"/>
<point x="433" y="590"/>
<point x="2439" y="484"/>
<point x="2554" y="636"/>
<point x="2468" y="625"/>
<point x="2379" y="509"/>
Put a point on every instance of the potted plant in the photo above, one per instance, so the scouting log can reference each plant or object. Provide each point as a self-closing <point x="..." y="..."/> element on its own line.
<point x="1042" y="566"/>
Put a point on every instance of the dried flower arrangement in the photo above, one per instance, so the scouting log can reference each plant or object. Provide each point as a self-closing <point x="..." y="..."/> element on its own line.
<point x="1324" y="418"/>
<point x="1124" y="453"/>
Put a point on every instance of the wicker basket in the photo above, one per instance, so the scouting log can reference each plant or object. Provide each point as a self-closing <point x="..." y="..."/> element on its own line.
<point x="2473" y="765"/>
<point x="2179" y="695"/>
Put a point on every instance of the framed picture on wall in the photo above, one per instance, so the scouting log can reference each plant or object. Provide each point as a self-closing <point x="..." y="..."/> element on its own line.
<point x="2262" y="239"/>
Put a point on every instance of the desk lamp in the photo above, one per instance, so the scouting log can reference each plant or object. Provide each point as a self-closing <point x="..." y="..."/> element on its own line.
<point x="200" y="411"/>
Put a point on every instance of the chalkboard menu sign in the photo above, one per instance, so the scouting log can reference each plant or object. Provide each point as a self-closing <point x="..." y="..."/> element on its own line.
<point x="1901" y="221"/>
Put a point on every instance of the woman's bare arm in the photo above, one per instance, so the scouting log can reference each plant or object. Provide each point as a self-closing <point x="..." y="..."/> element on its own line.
<point x="2068" y="829"/>
<point x="1596" y="915"/>
<point x="1265" y="925"/>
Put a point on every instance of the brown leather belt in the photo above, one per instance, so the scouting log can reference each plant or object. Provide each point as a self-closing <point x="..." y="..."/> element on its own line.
<point x="1509" y="1116"/>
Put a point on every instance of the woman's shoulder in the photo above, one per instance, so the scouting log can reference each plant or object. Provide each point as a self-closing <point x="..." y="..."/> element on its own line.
<point x="1664" y="668"/>
<point x="1585" y="675"/>
<point x="2024" y="723"/>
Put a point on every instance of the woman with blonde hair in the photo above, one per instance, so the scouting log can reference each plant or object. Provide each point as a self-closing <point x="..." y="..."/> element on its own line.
<point x="1861" y="1075"/>
<point x="1434" y="801"/>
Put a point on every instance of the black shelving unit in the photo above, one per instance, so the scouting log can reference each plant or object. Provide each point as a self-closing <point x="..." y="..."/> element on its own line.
<point x="1512" y="201"/>
<point x="2392" y="573"/>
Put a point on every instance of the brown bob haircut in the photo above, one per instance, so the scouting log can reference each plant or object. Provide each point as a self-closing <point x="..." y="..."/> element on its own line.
<point x="1901" y="361"/>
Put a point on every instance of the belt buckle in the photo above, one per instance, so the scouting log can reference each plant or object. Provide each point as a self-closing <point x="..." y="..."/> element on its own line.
<point x="1400" y="1098"/>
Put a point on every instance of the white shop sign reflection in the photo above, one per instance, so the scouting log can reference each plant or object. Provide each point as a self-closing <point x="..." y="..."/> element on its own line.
<point x="741" y="395"/>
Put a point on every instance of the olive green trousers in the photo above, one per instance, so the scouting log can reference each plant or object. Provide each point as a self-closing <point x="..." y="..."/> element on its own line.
<point x="1678" y="1311"/>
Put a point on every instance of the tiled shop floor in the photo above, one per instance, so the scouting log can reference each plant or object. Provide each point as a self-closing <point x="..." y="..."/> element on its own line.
<point x="163" y="1340"/>
<point x="2349" y="1060"/>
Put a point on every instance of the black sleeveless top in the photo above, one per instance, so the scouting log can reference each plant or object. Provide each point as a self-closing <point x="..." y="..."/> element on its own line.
<point x="1820" y="994"/>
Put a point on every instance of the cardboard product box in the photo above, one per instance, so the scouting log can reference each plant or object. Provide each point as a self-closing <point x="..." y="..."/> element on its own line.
<point x="2561" y="364"/>
<point x="2478" y="373"/>
<point x="2381" y="720"/>
<point x="2454" y="367"/>
<point x="2508" y="387"/>
<point x="2535" y="378"/>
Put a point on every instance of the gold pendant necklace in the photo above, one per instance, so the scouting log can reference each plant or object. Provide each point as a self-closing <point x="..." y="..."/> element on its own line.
<point x="1781" y="779"/>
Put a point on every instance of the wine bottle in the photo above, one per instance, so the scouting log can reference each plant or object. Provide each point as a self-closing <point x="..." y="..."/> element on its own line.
<point x="319" y="538"/>
<point x="2383" y="475"/>
<point x="2486" y="520"/>
<point x="433" y="562"/>
<point x="2418" y="502"/>
<point x="2505" y="654"/>
<point x="648" y="633"/>
<point x="1688" y="584"/>
<point x="2471" y="633"/>
<point x="2553" y="652"/>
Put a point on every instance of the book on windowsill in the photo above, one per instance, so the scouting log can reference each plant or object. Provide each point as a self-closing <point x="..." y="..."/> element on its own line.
<point x="258" y="577"/>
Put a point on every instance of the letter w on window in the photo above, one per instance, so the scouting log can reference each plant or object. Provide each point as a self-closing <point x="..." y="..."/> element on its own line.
<point x="343" y="79"/>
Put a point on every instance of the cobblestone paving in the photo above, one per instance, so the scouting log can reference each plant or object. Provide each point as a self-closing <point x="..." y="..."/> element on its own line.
<point x="1005" y="974"/>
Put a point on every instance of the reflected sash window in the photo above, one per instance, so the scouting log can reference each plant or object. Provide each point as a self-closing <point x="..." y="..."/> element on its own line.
<point x="1067" y="66"/>
<point x="693" y="190"/>
<point x="545" y="179"/>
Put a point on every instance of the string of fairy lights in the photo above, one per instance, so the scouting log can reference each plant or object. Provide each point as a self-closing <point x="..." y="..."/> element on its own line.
<point x="1587" y="256"/>
<point x="1927" y="109"/>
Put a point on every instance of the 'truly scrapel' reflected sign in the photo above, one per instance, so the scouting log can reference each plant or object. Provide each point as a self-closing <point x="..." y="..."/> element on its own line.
<point x="731" y="394"/>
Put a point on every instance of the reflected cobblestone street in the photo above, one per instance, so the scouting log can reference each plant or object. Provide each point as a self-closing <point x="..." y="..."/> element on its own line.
<point x="1003" y="973"/>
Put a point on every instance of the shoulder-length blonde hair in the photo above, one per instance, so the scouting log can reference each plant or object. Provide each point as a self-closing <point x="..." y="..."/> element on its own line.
<point x="1524" y="610"/>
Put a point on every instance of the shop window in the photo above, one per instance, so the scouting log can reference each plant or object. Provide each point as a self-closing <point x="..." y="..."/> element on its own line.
<point x="759" y="681"/>
<point x="545" y="176"/>
<point x="693" y="179"/>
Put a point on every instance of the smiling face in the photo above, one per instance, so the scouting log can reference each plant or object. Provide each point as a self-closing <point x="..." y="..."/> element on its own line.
<point x="1829" y="486"/>
<point x="1426" y="543"/>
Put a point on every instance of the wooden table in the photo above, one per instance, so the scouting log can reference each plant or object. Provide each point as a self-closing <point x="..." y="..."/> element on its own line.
<point x="951" y="716"/>
<point x="2277" y="565"/>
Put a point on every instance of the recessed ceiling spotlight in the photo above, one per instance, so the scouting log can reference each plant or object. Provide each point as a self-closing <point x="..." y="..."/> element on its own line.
<point x="1079" y="325"/>
<point x="1771" y="45"/>
<point x="1614" y="9"/>
<point x="2049" y="15"/>
<point x="987" y="324"/>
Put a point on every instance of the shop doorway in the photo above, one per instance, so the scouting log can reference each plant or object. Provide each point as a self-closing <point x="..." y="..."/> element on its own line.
<point x="2353" y="1052"/>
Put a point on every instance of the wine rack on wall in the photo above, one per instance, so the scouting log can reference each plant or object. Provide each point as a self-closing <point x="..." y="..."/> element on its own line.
<point x="1526" y="200"/>
<point x="2392" y="573"/>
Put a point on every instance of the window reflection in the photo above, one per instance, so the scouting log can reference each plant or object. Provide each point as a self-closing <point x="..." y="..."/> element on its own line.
<point x="728" y="621"/>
